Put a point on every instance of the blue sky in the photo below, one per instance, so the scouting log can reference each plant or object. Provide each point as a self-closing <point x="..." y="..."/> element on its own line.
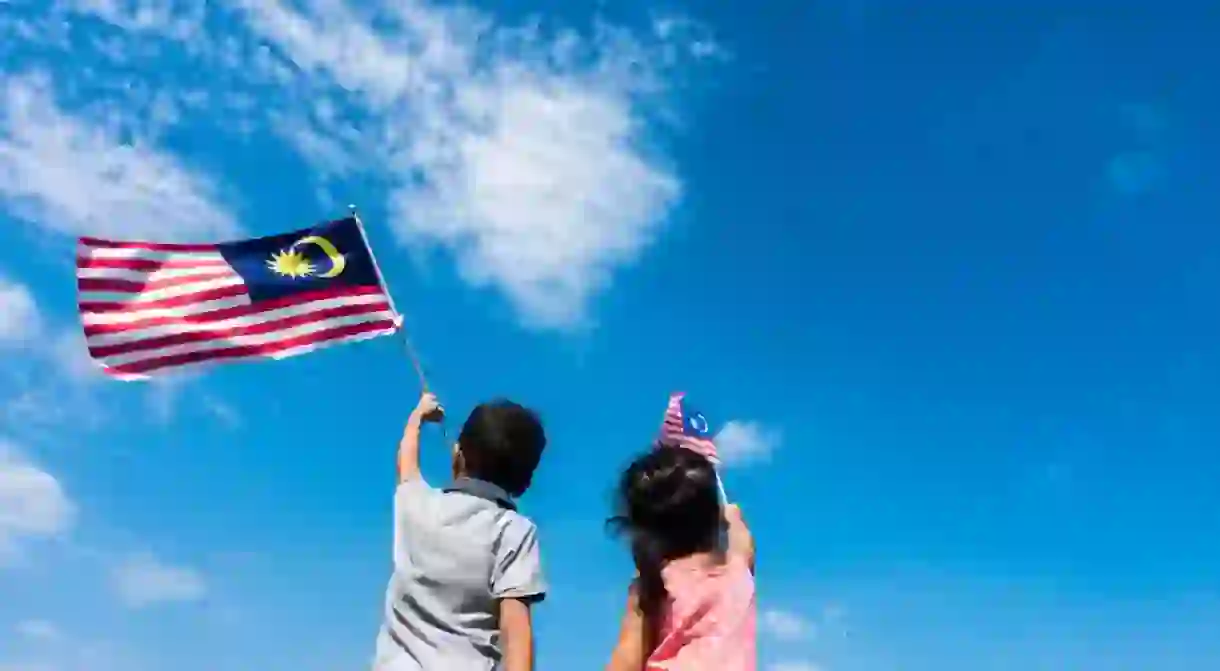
<point x="947" y="277"/>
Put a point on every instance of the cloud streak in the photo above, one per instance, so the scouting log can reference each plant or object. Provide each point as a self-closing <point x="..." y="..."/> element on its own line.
<point x="785" y="625"/>
<point x="76" y="176"/>
<point x="518" y="153"/>
<point x="143" y="580"/>
<point x="527" y="155"/>
<point x="742" y="442"/>
<point x="33" y="503"/>
<point x="20" y="320"/>
<point x="38" y="630"/>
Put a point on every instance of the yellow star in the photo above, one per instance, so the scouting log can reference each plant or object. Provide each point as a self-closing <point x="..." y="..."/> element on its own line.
<point x="290" y="263"/>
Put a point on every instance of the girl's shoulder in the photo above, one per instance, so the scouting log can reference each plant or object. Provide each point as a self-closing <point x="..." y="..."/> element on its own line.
<point x="710" y="620"/>
<point x="704" y="577"/>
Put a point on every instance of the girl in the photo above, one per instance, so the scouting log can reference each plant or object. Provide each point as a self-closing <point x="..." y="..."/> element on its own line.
<point x="692" y="604"/>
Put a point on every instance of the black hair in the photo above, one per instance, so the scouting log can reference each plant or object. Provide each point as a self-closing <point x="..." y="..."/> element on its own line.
<point x="668" y="507"/>
<point x="502" y="443"/>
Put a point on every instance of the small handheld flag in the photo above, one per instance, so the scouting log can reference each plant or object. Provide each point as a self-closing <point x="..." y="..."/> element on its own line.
<point x="150" y="308"/>
<point x="686" y="427"/>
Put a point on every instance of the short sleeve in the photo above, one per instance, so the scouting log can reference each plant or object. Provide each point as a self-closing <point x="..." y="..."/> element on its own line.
<point x="410" y="503"/>
<point x="410" y="494"/>
<point x="518" y="570"/>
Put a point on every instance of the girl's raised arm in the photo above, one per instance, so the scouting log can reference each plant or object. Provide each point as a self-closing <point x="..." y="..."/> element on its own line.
<point x="741" y="541"/>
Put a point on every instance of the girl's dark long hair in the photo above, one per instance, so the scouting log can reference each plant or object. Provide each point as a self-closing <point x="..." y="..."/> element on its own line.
<point x="667" y="507"/>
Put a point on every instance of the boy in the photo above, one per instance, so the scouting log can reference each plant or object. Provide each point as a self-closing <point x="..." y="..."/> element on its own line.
<point x="466" y="563"/>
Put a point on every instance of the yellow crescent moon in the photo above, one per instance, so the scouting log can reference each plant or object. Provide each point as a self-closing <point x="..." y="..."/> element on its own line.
<point x="337" y="262"/>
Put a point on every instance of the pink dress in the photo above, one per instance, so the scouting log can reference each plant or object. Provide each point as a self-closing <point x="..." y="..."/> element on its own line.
<point x="710" y="623"/>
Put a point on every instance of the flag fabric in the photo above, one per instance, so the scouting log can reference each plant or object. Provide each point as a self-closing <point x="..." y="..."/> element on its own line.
<point x="150" y="308"/>
<point x="686" y="427"/>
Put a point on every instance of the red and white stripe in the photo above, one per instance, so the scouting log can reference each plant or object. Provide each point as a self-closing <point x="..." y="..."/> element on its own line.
<point x="149" y="308"/>
<point x="673" y="431"/>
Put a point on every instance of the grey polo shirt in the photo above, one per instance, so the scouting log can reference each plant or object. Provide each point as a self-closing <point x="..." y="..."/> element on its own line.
<point x="457" y="551"/>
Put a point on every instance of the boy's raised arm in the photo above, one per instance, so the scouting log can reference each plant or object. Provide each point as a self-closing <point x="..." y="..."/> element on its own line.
<point x="427" y="410"/>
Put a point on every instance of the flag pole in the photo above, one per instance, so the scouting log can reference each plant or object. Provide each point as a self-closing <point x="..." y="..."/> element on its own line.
<point x="398" y="318"/>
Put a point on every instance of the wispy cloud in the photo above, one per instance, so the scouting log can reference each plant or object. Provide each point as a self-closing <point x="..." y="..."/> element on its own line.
<point x="53" y="384"/>
<point x="38" y="630"/>
<point x="20" y="321"/>
<point x="60" y="654"/>
<point x="786" y="625"/>
<point x="525" y="153"/>
<point x="23" y="324"/>
<point x="520" y="154"/>
<point x="222" y="412"/>
<point x="741" y="442"/>
<point x="75" y="175"/>
<point x="69" y="353"/>
<point x="26" y="665"/>
<point x="795" y="666"/>
<point x="33" y="503"/>
<point x="143" y="580"/>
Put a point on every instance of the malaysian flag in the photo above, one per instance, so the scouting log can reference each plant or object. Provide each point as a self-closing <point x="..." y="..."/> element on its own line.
<point x="150" y="308"/>
<point x="686" y="427"/>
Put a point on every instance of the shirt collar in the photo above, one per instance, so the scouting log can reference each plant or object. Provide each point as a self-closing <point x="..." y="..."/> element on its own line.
<point x="483" y="490"/>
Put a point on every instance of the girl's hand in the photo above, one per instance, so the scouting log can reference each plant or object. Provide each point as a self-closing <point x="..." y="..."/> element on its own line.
<point x="741" y="541"/>
<point x="429" y="409"/>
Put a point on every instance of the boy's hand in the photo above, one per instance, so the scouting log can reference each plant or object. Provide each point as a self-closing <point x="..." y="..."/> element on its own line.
<point x="429" y="409"/>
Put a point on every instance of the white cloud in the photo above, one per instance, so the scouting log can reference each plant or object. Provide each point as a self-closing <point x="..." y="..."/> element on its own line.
<point x="143" y="580"/>
<point x="33" y="503"/>
<point x="220" y="411"/>
<point x="74" y="654"/>
<point x="526" y="154"/>
<point x="31" y="406"/>
<point x="518" y="153"/>
<point x="38" y="630"/>
<point x="78" y="176"/>
<point x="20" y="321"/>
<point x="71" y="356"/>
<point x="794" y="666"/>
<point x="163" y="395"/>
<point x="743" y="441"/>
<point x="29" y="666"/>
<point x="786" y="625"/>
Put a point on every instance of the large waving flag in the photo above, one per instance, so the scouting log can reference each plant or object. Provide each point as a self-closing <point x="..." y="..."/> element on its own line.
<point x="686" y="427"/>
<point x="149" y="308"/>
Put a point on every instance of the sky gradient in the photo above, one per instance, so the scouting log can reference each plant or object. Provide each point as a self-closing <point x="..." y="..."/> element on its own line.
<point x="947" y="278"/>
